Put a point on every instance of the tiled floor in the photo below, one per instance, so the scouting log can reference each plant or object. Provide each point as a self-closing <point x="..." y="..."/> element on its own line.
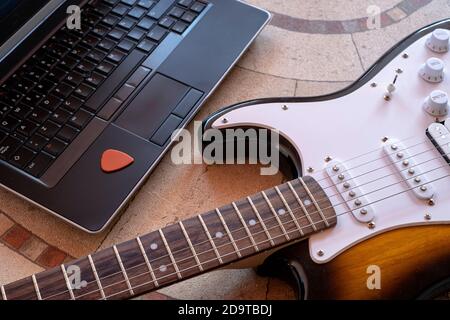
<point x="311" y="47"/>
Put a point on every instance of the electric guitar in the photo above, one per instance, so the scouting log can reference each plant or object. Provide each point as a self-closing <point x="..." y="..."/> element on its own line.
<point x="365" y="216"/>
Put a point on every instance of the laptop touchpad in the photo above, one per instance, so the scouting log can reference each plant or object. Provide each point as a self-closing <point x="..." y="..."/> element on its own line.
<point x="152" y="106"/>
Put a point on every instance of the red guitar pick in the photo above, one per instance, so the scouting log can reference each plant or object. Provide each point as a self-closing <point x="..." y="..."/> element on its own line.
<point x="114" y="160"/>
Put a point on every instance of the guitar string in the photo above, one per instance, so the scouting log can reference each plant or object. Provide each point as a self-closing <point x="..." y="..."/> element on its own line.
<point x="287" y="222"/>
<point x="196" y="265"/>
<point x="276" y="226"/>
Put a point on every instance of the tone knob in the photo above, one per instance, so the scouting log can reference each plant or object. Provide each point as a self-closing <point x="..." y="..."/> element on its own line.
<point x="438" y="41"/>
<point x="437" y="104"/>
<point x="433" y="70"/>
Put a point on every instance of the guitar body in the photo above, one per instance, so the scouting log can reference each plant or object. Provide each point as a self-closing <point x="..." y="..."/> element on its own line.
<point x="416" y="266"/>
<point x="399" y="247"/>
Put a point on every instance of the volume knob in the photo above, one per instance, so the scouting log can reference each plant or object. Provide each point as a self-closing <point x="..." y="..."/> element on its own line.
<point x="438" y="41"/>
<point x="433" y="70"/>
<point x="437" y="104"/>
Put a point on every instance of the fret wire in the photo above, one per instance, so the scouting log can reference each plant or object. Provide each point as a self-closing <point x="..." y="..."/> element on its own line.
<point x="228" y="233"/>
<point x="210" y="239"/>
<point x="261" y="221"/>
<point x="147" y="262"/>
<point x="289" y="210"/>
<point x="170" y="254"/>
<point x="276" y="215"/>
<point x="97" y="279"/>
<point x="2" y="288"/>
<point x="302" y="206"/>
<point x="66" y="278"/>
<point x="191" y="246"/>
<point x="245" y="225"/>
<point x="119" y="259"/>
<point x="36" y="287"/>
<point x="314" y="201"/>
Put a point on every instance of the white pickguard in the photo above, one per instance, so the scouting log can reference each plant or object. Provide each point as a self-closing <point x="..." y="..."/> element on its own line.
<point x="355" y="124"/>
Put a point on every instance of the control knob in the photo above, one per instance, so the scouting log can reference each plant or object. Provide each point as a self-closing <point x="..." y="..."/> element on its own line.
<point x="438" y="41"/>
<point x="437" y="104"/>
<point x="433" y="70"/>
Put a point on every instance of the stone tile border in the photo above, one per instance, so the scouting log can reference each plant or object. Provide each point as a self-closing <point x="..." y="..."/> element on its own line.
<point x="29" y="245"/>
<point x="387" y="18"/>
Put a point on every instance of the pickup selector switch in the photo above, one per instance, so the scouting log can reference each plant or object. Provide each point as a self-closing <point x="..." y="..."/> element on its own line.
<point x="433" y="70"/>
<point x="437" y="104"/>
<point x="438" y="41"/>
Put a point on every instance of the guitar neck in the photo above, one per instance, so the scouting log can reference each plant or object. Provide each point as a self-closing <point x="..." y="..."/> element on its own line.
<point x="264" y="221"/>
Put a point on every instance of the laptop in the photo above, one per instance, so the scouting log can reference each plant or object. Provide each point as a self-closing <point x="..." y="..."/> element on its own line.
<point x="86" y="113"/>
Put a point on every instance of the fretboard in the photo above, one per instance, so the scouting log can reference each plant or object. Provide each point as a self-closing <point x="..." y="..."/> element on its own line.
<point x="264" y="221"/>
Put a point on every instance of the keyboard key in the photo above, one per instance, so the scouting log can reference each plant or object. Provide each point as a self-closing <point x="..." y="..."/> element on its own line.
<point x="147" y="45"/>
<point x="157" y="33"/>
<point x="55" y="147"/>
<point x="147" y="4"/>
<point x="60" y="116"/>
<point x="38" y="166"/>
<point x="95" y="79"/>
<point x="198" y="7"/>
<point x="105" y="68"/>
<point x="116" y="34"/>
<point x="49" y="129"/>
<point x="185" y="3"/>
<point x="120" y="10"/>
<point x="100" y="31"/>
<point x="180" y="27"/>
<point x="22" y="157"/>
<point x="176" y="12"/>
<point x="167" y="22"/>
<point x="96" y="55"/>
<point x="84" y="91"/>
<point x="80" y="119"/>
<point x="68" y="63"/>
<point x="39" y="115"/>
<point x="27" y="128"/>
<point x="146" y="23"/>
<point x="33" y="98"/>
<point x="188" y="17"/>
<point x="160" y="8"/>
<point x="57" y="75"/>
<point x="9" y="124"/>
<point x="68" y="133"/>
<point x="63" y="90"/>
<point x="126" y="45"/>
<point x="116" y="56"/>
<point x="51" y="102"/>
<point x="110" y="20"/>
<point x="127" y="24"/>
<point x="106" y="45"/>
<point x="136" y="34"/>
<point x="45" y="86"/>
<point x="72" y="104"/>
<point x="137" y="13"/>
<point x="74" y="79"/>
<point x="90" y="41"/>
<point x="37" y="142"/>
<point x="129" y="2"/>
<point x="21" y="111"/>
<point x="86" y="67"/>
<point x="8" y="146"/>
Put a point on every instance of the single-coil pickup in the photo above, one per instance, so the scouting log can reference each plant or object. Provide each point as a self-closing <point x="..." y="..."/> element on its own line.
<point x="353" y="197"/>
<point x="411" y="173"/>
<point x="440" y="136"/>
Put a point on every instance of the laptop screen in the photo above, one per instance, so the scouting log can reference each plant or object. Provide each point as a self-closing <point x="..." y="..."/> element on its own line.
<point x="18" y="18"/>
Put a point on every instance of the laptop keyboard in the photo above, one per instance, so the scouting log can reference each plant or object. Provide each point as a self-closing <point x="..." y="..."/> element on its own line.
<point x="46" y="104"/>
